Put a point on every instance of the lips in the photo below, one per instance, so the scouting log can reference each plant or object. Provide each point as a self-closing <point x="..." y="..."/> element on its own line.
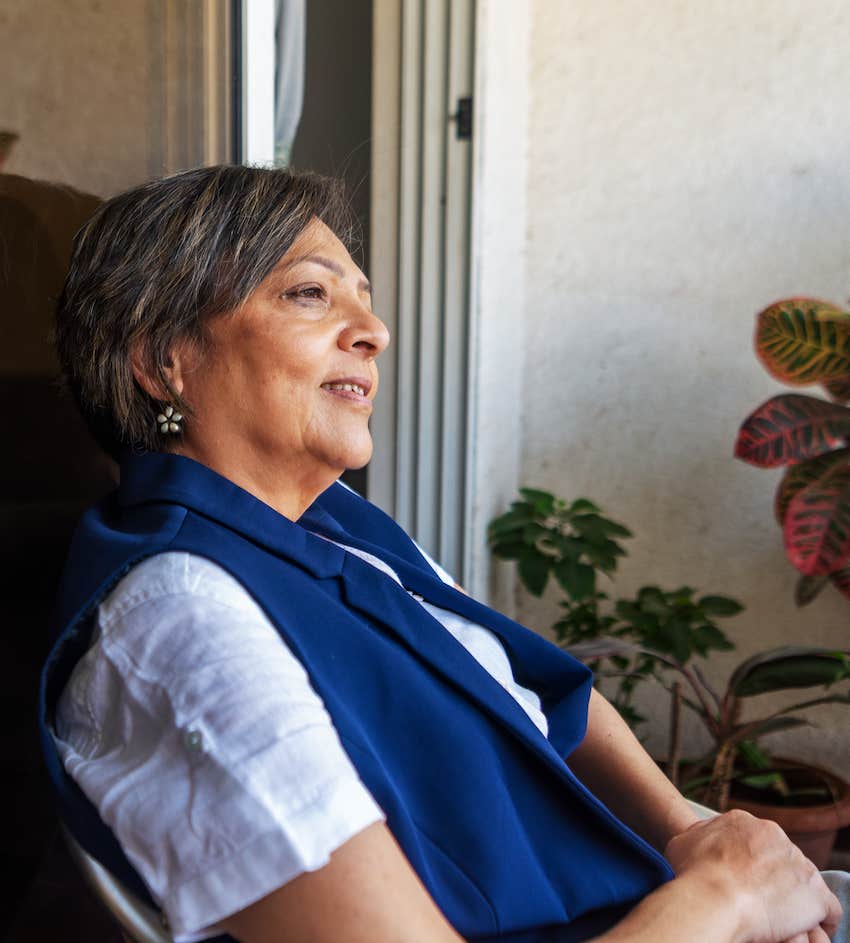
<point x="355" y="389"/>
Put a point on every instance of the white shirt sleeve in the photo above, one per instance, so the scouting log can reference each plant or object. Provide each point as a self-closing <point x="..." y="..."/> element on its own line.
<point x="195" y="731"/>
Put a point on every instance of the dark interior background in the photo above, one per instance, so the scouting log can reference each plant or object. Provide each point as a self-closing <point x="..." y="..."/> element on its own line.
<point x="52" y="469"/>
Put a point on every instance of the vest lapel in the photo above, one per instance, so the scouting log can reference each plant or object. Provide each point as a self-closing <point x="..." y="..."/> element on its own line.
<point x="536" y="663"/>
<point x="385" y="602"/>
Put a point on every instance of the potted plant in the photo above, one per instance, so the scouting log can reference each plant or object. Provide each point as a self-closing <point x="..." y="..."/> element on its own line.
<point x="810" y="803"/>
<point x="803" y="341"/>
<point x="663" y="635"/>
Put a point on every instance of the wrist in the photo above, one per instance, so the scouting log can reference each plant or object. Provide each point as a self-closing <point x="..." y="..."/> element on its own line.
<point x="710" y="889"/>
<point x="681" y="817"/>
<point x="690" y="908"/>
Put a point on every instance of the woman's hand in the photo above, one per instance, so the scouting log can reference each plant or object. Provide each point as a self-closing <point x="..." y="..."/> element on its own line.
<point x="738" y="880"/>
<point x="777" y="892"/>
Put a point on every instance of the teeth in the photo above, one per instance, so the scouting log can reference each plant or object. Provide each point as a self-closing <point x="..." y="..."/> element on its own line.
<point x="349" y="387"/>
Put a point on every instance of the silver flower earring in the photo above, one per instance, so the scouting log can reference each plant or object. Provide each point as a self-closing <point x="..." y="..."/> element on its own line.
<point x="169" y="421"/>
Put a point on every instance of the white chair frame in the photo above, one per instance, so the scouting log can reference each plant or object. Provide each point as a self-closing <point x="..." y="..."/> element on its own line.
<point x="141" y="923"/>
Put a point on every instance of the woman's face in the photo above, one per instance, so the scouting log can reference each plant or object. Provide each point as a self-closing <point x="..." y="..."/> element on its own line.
<point x="284" y="391"/>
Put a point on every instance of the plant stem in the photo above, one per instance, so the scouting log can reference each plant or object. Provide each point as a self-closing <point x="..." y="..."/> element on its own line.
<point x="704" y="682"/>
<point x="675" y="751"/>
<point x="707" y="715"/>
<point x="717" y="792"/>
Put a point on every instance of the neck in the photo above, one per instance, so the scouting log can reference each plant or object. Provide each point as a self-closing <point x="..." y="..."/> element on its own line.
<point x="290" y="491"/>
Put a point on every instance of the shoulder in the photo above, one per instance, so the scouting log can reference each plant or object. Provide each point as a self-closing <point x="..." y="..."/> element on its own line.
<point x="177" y="630"/>
<point x="166" y="576"/>
<point x="175" y="616"/>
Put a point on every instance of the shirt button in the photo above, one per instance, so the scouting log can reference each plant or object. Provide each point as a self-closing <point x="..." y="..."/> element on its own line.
<point x="194" y="741"/>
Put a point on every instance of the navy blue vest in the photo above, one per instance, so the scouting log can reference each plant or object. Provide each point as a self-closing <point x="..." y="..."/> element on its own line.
<point x="501" y="833"/>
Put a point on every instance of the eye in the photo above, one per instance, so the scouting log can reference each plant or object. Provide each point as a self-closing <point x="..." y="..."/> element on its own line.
<point x="308" y="292"/>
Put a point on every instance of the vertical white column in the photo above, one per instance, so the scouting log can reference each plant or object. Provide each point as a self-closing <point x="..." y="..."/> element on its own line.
<point x="258" y="81"/>
<point x="497" y="289"/>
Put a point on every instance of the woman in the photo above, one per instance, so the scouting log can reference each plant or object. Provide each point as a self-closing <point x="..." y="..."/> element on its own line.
<point x="289" y="719"/>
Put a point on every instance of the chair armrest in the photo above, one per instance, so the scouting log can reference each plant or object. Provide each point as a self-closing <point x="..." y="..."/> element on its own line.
<point x="141" y="923"/>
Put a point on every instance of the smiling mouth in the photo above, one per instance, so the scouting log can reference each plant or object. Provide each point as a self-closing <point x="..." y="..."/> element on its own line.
<point x="347" y="387"/>
<point x="355" y="391"/>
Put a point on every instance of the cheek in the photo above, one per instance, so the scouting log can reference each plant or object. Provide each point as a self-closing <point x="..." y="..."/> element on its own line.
<point x="269" y="361"/>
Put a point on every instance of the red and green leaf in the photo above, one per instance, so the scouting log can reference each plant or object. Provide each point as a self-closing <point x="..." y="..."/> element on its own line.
<point x="790" y="428"/>
<point x="807" y="588"/>
<point x="840" y="579"/>
<point x="803" y="340"/>
<point x="799" y="476"/>
<point x="817" y="525"/>
<point x="838" y="389"/>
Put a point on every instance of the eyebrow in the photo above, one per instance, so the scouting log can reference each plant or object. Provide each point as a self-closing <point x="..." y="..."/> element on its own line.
<point x="335" y="267"/>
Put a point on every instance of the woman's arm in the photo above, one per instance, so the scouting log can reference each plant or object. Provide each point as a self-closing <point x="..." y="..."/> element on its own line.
<point x="615" y="767"/>
<point x="367" y="893"/>
<point x="740" y="881"/>
<point x="718" y="891"/>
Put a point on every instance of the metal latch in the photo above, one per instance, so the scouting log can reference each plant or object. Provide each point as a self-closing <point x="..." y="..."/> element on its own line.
<point x="463" y="119"/>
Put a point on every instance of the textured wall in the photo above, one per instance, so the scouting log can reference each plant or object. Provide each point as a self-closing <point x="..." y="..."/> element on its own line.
<point x="688" y="163"/>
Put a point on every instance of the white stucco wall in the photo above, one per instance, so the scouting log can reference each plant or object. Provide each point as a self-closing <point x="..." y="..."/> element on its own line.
<point x="688" y="163"/>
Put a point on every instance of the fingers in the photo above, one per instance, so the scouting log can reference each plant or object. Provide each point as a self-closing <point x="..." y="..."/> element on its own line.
<point x="832" y="919"/>
<point x="818" y="935"/>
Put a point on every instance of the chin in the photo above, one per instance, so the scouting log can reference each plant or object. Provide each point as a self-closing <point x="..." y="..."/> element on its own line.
<point x="354" y="463"/>
<point x="355" y="456"/>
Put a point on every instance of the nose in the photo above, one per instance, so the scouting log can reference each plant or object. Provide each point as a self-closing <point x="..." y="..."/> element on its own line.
<point x="365" y="332"/>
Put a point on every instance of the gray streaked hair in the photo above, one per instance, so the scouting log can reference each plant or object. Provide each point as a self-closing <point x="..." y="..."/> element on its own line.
<point x="155" y="264"/>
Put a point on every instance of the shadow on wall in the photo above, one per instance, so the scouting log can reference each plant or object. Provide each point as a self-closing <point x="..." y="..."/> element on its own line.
<point x="52" y="470"/>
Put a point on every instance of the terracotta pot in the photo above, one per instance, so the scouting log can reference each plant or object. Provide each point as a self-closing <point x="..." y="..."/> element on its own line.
<point x="812" y="828"/>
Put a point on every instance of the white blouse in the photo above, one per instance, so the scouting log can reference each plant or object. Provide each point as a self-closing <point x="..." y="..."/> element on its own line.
<point x="196" y="732"/>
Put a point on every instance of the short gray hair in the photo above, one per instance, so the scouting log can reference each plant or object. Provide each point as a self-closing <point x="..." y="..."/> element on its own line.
<point x="155" y="264"/>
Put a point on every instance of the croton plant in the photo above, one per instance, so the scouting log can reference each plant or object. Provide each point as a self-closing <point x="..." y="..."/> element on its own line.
<point x="803" y="341"/>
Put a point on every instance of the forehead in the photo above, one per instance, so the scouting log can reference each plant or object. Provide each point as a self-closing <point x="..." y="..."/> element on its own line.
<point x="318" y="239"/>
<point x="319" y="243"/>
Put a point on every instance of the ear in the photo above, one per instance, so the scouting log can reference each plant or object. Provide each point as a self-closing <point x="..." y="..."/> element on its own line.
<point x="148" y="379"/>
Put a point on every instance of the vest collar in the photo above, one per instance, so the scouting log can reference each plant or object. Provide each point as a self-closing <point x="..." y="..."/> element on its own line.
<point x="165" y="478"/>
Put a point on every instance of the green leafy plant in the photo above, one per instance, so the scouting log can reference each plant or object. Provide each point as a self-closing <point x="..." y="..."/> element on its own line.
<point x="575" y="543"/>
<point x="665" y="635"/>
<point x="803" y="341"/>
